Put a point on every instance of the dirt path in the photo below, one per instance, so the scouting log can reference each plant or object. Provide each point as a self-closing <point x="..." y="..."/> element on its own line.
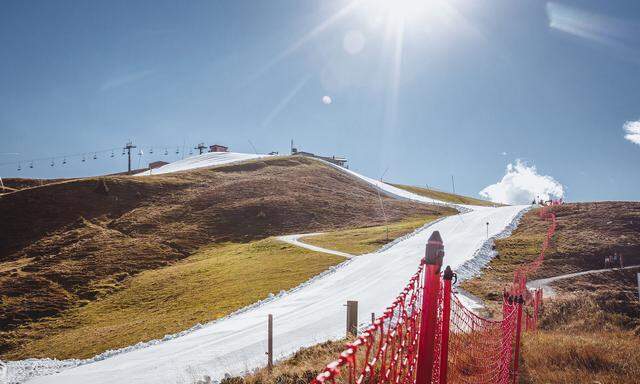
<point x="295" y="240"/>
<point x="550" y="292"/>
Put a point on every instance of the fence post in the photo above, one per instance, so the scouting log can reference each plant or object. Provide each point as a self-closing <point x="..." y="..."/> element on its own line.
<point x="270" y="343"/>
<point x="516" y="357"/>
<point x="352" y="318"/>
<point x="446" y="317"/>
<point x="428" y="318"/>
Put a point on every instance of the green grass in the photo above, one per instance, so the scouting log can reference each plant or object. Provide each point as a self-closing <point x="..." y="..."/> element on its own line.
<point x="208" y="285"/>
<point x="364" y="240"/>
<point x="445" y="196"/>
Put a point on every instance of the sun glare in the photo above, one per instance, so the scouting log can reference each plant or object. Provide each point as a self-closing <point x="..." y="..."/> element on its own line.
<point x="398" y="11"/>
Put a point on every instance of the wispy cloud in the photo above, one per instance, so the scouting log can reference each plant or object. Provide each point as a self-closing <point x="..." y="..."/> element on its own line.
<point x="124" y="79"/>
<point x="632" y="131"/>
<point x="612" y="32"/>
<point x="285" y="101"/>
<point x="521" y="184"/>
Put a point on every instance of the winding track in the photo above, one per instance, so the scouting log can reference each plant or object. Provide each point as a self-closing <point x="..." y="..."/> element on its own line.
<point x="305" y="316"/>
<point x="548" y="291"/>
<point x="295" y="240"/>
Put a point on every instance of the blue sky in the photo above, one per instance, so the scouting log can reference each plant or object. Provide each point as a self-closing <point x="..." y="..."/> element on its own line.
<point x="456" y="87"/>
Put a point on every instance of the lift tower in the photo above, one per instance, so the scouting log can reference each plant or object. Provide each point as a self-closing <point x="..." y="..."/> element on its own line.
<point x="201" y="147"/>
<point x="128" y="148"/>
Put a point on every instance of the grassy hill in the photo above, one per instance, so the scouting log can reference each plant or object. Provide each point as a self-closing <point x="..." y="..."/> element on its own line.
<point x="446" y="196"/>
<point x="590" y="332"/>
<point x="80" y="257"/>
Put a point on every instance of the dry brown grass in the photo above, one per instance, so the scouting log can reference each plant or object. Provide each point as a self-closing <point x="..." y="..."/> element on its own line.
<point x="210" y="284"/>
<point x="590" y="332"/>
<point x="446" y="196"/>
<point x="359" y="241"/>
<point x="580" y="357"/>
<point x="300" y="368"/>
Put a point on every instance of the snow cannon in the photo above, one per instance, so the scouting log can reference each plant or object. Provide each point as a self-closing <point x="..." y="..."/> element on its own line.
<point x="434" y="253"/>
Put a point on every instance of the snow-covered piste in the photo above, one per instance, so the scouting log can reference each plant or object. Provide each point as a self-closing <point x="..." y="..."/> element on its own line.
<point x="204" y="160"/>
<point x="309" y="314"/>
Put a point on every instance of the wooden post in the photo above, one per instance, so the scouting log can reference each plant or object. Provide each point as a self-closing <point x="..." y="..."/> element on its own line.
<point x="516" y="357"/>
<point x="270" y="343"/>
<point x="352" y="318"/>
<point x="446" y="318"/>
<point x="433" y="261"/>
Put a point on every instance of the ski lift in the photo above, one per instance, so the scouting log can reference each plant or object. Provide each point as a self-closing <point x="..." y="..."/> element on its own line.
<point x="19" y="168"/>
<point x="122" y="151"/>
<point x="64" y="161"/>
<point x="166" y="152"/>
<point x="112" y="154"/>
<point x="177" y="151"/>
<point x="151" y="151"/>
<point x="191" y="152"/>
<point x="83" y="159"/>
<point x="140" y="153"/>
<point x="31" y="165"/>
<point x="95" y="156"/>
<point x="52" y="163"/>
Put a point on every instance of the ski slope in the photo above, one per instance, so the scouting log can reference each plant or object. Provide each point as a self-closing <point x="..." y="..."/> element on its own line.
<point x="309" y="314"/>
<point x="209" y="159"/>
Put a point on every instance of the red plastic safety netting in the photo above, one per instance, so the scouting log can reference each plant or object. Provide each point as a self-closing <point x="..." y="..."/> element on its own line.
<point x="428" y="336"/>
<point x="386" y="352"/>
<point x="480" y="349"/>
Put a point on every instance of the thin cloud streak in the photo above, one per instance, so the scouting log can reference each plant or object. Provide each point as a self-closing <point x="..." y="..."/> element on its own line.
<point x="125" y="79"/>
<point x="604" y="30"/>
<point x="285" y="101"/>
<point x="301" y="42"/>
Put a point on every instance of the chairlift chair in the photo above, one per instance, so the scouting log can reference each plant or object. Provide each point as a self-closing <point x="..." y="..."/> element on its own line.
<point x="166" y="152"/>
<point x="64" y="161"/>
<point x="19" y="168"/>
<point x="95" y="156"/>
<point x="31" y="165"/>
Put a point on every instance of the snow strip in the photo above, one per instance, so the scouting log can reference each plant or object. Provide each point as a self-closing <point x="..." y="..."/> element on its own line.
<point x="295" y="240"/>
<point x="473" y="267"/>
<point x="209" y="159"/>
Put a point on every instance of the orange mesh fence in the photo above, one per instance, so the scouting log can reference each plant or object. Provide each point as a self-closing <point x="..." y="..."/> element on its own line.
<point x="428" y="336"/>
<point x="386" y="352"/>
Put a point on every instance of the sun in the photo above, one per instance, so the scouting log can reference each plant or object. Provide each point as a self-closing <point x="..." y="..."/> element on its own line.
<point x="398" y="11"/>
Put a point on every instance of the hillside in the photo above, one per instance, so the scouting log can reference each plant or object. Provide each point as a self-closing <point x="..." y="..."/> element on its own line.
<point x="593" y="324"/>
<point x="446" y="196"/>
<point x="66" y="244"/>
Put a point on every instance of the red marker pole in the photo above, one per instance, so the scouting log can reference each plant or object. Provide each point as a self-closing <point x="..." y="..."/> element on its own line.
<point x="428" y="318"/>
